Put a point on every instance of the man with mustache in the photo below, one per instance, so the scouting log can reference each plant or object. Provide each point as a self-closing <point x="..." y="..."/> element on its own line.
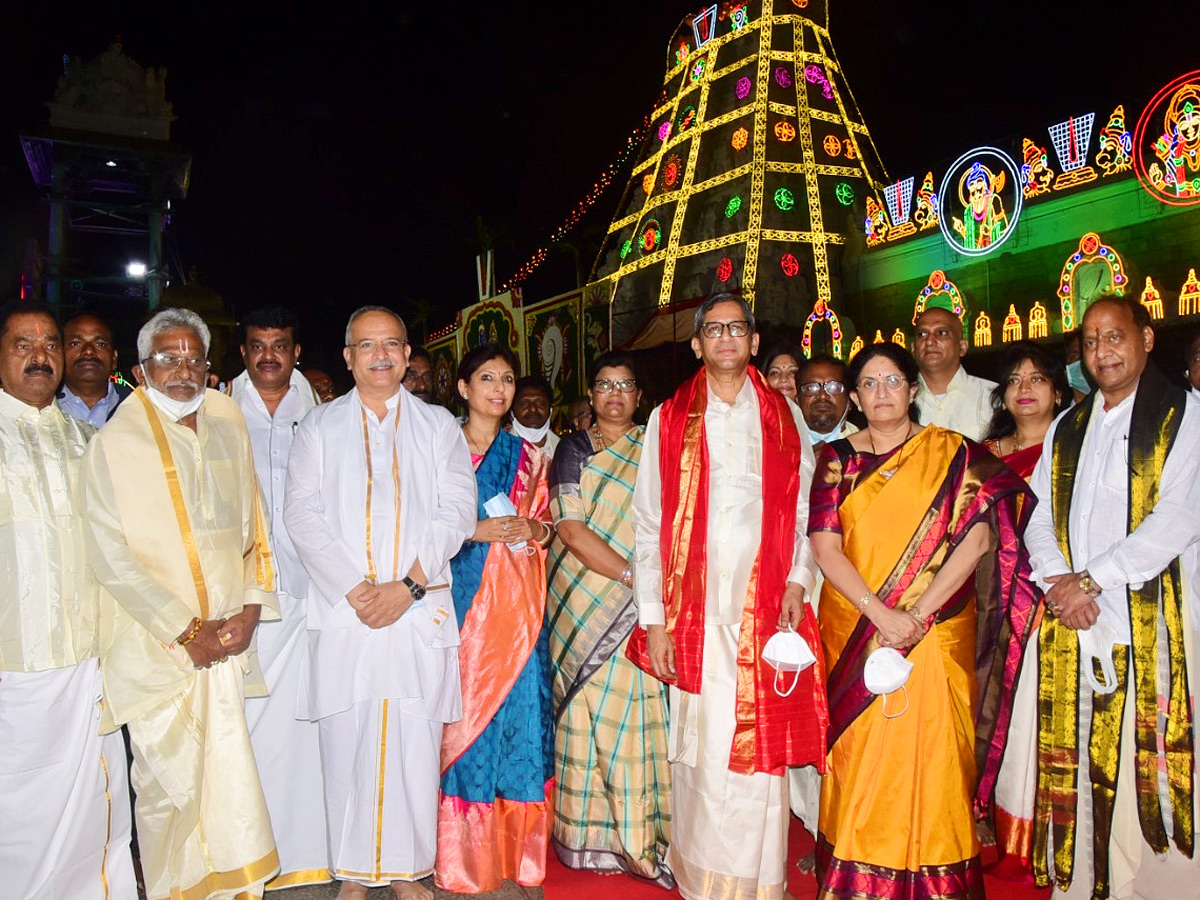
<point x="418" y="377"/>
<point x="274" y="398"/>
<point x="181" y="546"/>
<point x="63" y="790"/>
<point x="87" y="392"/>
<point x="380" y="496"/>
<point x="823" y="400"/>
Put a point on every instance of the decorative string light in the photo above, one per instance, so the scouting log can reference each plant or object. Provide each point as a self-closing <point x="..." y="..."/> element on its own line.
<point x="1152" y="300"/>
<point x="1039" y="324"/>
<point x="632" y="144"/>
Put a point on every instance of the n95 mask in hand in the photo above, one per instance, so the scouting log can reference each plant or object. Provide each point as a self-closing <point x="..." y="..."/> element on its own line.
<point x="787" y="651"/>
<point x="884" y="672"/>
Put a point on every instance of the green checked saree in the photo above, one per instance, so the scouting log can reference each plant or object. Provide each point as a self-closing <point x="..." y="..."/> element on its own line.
<point x="612" y="794"/>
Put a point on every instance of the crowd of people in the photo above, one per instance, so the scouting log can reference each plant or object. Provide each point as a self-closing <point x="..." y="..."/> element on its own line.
<point x="359" y="639"/>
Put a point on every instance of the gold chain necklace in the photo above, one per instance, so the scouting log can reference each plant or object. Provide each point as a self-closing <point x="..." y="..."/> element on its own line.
<point x="598" y="438"/>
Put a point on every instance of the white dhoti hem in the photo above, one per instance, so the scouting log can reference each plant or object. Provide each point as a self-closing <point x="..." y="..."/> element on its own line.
<point x="381" y="771"/>
<point x="728" y="831"/>
<point x="64" y="790"/>
<point x="288" y="752"/>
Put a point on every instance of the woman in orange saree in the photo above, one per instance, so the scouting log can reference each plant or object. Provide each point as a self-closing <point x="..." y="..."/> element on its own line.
<point x="900" y="516"/>
<point x="497" y="761"/>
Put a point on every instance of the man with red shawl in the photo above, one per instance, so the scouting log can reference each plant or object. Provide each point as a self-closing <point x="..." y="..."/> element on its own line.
<point x="722" y="563"/>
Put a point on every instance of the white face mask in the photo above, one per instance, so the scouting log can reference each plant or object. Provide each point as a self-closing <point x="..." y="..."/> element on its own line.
<point x="1096" y="645"/>
<point x="172" y="408"/>
<point x="885" y="671"/>
<point x="533" y="435"/>
<point x="786" y="651"/>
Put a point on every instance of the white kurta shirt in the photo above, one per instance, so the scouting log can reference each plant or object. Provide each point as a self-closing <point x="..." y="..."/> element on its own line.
<point x="271" y="439"/>
<point x="966" y="407"/>
<point x="325" y="510"/>
<point x="734" y="436"/>
<point x="1099" y="513"/>
<point x="47" y="593"/>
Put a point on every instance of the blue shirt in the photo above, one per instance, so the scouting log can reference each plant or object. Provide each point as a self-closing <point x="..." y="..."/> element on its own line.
<point x="70" y="404"/>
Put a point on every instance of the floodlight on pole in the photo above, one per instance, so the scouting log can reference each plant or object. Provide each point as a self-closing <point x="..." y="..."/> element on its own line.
<point x="136" y="270"/>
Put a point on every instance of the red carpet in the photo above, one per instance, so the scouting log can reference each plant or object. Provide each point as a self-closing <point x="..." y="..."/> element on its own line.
<point x="566" y="884"/>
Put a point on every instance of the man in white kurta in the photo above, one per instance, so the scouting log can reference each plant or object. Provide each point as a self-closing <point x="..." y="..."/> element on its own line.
<point x="64" y="802"/>
<point x="380" y="496"/>
<point x="947" y="395"/>
<point x="1094" y="592"/>
<point x="274" y="398"/>
<point x="729" y="830"/>
<point x="180" y="545"/>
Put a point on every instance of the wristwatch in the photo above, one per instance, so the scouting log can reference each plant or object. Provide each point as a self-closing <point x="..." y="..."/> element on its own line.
<point x="1088" y="586"/>
<point x="417" y="590"/>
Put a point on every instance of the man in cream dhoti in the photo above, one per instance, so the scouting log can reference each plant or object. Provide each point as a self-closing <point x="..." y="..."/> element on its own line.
<point x="380" y="496"/>
<point x="179" y="543"/>
<point x="1114" y="540"/>
<point x="274" y="397"/>
<point x="720" y="513"/>
<point x="64" y="806"/>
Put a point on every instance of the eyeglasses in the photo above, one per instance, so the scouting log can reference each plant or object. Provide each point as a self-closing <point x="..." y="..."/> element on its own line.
<point x="890" y="383"/>
<point x="391" y="345"/>
<point x="713" y="330"/>
<point x="607" y="385"/>
<point x="167" y="361"/>
<point x="812" y="388"/>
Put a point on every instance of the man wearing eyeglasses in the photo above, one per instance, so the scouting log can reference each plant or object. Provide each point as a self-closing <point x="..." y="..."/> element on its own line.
<point x="823" y="400"/>
<point x="380" y="495"/>
<point x="274" y="398"/>
<point x="1115" y="543"/>
<point x="180" y="543"/>
<point x="947" y="395"/>
<point x="722" y="561"/>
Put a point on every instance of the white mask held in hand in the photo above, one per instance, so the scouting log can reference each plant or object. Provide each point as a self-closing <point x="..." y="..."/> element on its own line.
<point x="886" y="671"/>
<point x="787" y="651"/>
<point x="1096" y="646"/>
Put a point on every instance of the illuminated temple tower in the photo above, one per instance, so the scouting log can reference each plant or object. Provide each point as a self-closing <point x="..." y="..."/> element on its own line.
<point x="756" y="167"/>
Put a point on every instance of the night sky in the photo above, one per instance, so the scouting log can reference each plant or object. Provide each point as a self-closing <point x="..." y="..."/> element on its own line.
<point x="345" y="158"/>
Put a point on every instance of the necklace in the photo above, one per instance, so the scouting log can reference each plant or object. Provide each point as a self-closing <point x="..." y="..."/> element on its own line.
<point x="888" y="473"/>
<point x="476" y="448"/>
<point x="598" y="438"/>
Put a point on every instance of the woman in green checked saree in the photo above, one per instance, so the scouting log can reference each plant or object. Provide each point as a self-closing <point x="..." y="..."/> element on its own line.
<point x="612" y="795"/>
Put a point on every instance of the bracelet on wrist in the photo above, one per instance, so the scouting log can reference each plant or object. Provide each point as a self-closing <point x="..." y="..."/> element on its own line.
<point x="549" y="534"/>
<point x="920" y="619"/>
<point x="866" y="600"/>
<point x="627" y="577"/>
<point x="192" y="630"/>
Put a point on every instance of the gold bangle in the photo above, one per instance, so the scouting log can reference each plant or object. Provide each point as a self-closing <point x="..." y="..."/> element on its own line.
<point x="866" y="601"/>
<point x="193" y="630"/>
<point x="549" y="534"/>
<point x="912" y="611"/>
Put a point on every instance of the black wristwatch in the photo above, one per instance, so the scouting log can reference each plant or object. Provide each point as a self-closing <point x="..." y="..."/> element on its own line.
<point x="417" y="590"/>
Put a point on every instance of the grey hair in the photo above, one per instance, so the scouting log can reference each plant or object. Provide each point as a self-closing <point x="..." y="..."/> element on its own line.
<point x="363" y="310"/>
<point x="166" y="320"/>
<point x="706" y="307"/>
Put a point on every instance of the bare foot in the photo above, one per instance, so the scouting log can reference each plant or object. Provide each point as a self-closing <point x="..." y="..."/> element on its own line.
<point x="807" y="862"/>
<point x="351" y="890"/>
<point x="411" y="890"/>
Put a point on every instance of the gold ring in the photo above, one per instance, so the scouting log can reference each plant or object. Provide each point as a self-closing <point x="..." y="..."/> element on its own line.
<point x="224" y="639"/>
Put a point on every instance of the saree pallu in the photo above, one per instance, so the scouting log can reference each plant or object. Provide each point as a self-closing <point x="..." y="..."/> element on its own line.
<point x="1016" y="784"/>
<point x="494" y="813"/>
<point x="612" y="780"/>
<point x="896" y="817"/>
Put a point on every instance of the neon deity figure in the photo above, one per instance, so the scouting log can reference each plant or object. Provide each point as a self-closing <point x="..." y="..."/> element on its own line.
<point x="983" y="330"/>
<point x="1116" y="145"/>
<point x="1036" y="174"/>
<point x="984" y="218"/>
<point x="1039" y="323"/>
<point x="1178" y="148"/>
<point x="1012" y="324"/>
<point x="925" y="214"/>
<point x="876" y="224"/>
<point x="1152" y="300"/>
<point x="1189" y="295"/>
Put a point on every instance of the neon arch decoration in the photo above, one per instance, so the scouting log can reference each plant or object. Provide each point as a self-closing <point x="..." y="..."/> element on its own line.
<point x="983" y="330"/>
<point x="941" y="292"/>
<point x="822" y="313"/>
<point x="1091" y="251"/>
<point x="1166" y="143"/>
<point x="987" y="185"/>
<point x="1039" y="322"/>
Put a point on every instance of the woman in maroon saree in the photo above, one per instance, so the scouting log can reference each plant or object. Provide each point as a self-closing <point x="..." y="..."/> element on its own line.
<point x="1033" y="389"/>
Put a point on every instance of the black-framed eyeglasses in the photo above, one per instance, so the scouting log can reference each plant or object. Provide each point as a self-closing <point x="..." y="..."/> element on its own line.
<point x="608" y="385"/>
<point x="812" y="388"/>
<point x="713" y="330"/>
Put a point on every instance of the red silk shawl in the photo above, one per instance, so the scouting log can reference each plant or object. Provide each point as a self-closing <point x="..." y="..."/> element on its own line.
<point x="772" y="732"/>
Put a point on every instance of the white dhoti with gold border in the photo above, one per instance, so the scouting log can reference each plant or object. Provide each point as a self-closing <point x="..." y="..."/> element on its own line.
<point x="64" y="792"/>
<point x="288" y="752"/>
<point x="728" y="830"/>
<point x="203" y="828"/>
<point x="381" y="769"/>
